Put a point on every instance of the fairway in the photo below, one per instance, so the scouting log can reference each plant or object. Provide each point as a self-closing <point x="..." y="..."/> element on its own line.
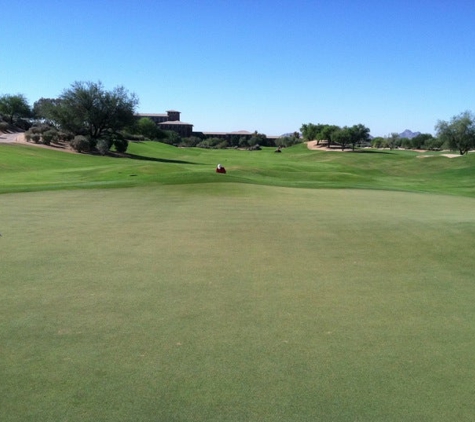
<point x="236" y="302"/>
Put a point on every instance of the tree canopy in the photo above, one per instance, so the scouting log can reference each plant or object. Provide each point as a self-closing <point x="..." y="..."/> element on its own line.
<point x="358" y="134"/>
<point x="458" y="132"/>
<point x="14" y="106"/>
<point x="149" y="129"/>
<point x="86" y="108"/>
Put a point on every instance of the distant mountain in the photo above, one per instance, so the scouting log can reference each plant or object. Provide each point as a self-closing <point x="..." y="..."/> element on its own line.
<point x="408" y="134"/>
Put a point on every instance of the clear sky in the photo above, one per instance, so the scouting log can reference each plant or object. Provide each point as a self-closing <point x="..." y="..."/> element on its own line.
<point x="265" y="65"/>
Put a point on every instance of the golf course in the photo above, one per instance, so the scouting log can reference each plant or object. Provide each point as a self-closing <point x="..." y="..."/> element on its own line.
<point x="302" y="286"/>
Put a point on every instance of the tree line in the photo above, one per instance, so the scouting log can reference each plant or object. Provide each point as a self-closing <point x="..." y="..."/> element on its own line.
<point x="355" y="135"/>
<point x="91" y="118"/>
<point x="456" y="134"/>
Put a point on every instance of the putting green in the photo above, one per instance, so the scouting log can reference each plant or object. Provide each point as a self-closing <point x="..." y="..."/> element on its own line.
<point x="225" y="302"/>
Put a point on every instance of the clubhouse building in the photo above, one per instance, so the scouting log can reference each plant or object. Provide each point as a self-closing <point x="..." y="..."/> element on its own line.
<point x="171" y="121"/>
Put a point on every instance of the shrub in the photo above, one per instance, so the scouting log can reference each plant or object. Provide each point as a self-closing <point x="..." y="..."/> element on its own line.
<point x="80" y="144"/>
<point x="121" y="145"/>
<point x="243" y="142"/>
<point x="222" y="145"/>
<point x="134" y="137"/>
<point x="35" y="137"/>
<point x="172" y="138"/>
<point x="65" y="136"/>
<point x="436" y="144"/>
<point x="192" y="141"/>
<point x="102" y="146"/>
<point x="50" y="136"/>
<point x="3" y="126"/>
<point x="204" y="144"/>
<point x="22" y="124"/>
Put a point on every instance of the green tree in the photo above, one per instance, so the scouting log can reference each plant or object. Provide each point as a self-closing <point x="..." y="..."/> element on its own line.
<point x="310" y="131"/>
<point x="359" y="134"/>
<point x="459" y="132"/>
<point x="88" y="109"/>
<point x="393" y="140"/>
<point x="326" y="133"/>
<point x="171" y="138"/>
<point x="149" y="129"/>
<point x="14" y="107"/>
<point x="342" y="136"/>
<point x="378" y="142"/>
<point x="258" y="139"/>
<point x="42" y="109"/>
<point x="422" y="141"/>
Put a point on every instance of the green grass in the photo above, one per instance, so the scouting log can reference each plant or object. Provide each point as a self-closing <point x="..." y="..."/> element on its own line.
<point x="28" y="168"/>
<point x="203" y="297"/>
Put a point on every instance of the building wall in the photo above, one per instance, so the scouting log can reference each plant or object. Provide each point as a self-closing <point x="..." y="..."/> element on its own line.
<point x="183" y="129"/>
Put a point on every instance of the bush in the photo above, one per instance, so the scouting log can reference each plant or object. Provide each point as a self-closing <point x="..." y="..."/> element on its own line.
<point x="22" y="124"/>
<point x="436" y="144"/>
<point x="3" y="126"/>
<point x="172" y="138"/>
<point x="65" y="136"/>
<point x="204" y="144"/>
<point x="243" y="142"/>
<point x="80" y="144"/>
<point x="102" y="146"/>
<point x="134" y="137"/>
<point x="222" y="145"/>
<point x="50" y="136"/>
<point x="214" y="143"/>
<point x="192" y="141"/>
<point x="40" y="128"/>
<point x="121" y="145"/>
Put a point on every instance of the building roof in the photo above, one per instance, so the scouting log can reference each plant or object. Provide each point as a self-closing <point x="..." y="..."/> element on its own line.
<point x="241" y="132"/>
<point x="151" y="114"/>
<point x="175" y="122"/>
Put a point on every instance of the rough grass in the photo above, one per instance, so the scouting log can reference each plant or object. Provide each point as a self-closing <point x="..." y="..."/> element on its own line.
<point x="230" y="302"/>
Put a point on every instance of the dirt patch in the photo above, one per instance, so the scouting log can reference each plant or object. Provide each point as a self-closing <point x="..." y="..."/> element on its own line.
<point x="60" y="146"/>
<point x="440" y="155"/>
<point x="314" y="146"/>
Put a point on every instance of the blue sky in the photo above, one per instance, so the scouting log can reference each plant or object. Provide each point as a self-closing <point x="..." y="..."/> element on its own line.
<point x="252" y="65"/>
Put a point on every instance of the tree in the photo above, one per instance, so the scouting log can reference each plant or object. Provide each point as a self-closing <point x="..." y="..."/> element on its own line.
<point x="310" y="131"/>
<point x="42" y="109"/>
<point x="326" y="133"/>
<point x="88" y="109"/>
<point x="149" y="129"/>
<point x="358" y="134"/>
<point x="459" y="132"/>
<point x="342" y="136"/>
<point x="378" y="142"/>
<point x="422" y="141"/>
<point x="393" y="140"/>
<point x="14" y="106"/>
<point x="171" y="138"/>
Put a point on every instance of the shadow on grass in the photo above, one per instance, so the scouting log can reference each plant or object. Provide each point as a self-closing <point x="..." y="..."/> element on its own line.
<point x="367" y="151"/>
<point x="159" y="160"/>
